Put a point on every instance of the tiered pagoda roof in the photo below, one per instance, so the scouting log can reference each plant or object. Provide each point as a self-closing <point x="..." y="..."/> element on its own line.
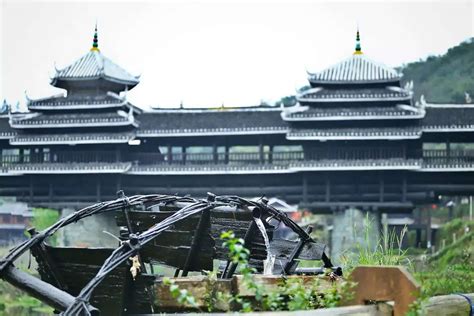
<point x="389" y="133"/>
<point x="72" y="139"/>
<point x="305" y="113"/>
<point x="76" y="120"/>
<point x="6" y="131"/>
<point x="94" y="66"/>
<point x="356" y="69"/>
<point x="93" y="101"/>
<point x="60" y="102"/>
<point x="375" y="94"/>
<point x="356" y="89"/>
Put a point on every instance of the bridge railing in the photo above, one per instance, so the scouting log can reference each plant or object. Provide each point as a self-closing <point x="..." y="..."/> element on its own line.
<point x="215" y="158"/>
<point x="235" y="158"/>
<point x="442" y="156"/>
<point x="59" y="157"/>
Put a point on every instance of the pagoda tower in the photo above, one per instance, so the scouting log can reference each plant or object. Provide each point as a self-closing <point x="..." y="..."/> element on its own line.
<point x="93" y="115"/>
<point x="356" y="114"/>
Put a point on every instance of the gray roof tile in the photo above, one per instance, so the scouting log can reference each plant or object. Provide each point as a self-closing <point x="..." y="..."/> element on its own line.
<point x="355" y="69"/>
<point x="94" y="65"/>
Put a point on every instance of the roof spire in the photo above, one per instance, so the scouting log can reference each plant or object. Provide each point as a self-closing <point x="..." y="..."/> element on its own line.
<point x="95" y="41"/>
<point x="358" y="49"/>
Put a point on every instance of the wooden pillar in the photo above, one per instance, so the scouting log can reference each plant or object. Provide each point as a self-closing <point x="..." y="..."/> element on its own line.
<point x="305" y="188"/>
<point x="97" y="189"/>
<point x="169" y="154"/>
<point x="226" y="154"/>
<point x="381" y="189"/>
<point x="118" y="153"/>
<point x="31" y="189"/>
<point x="261" y="153"/>
<point x="21" y="155"/>
<point x="183" y="154"/>
<point x="270" y="155"/>
<point x="328" y="189"/>
<point x="428" y="228"/>
<point x="448" y="149"/>
<point x="50" y="192"/>
<point x="215" y="156"/>
<point x="404" y="189"/>
<point x="119" y="183"/>
<point x="418" y="229"/>
<point x="418" y="237"/>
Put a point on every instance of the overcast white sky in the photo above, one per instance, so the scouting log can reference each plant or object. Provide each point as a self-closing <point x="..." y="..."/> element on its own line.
<point x="208" y="53"/>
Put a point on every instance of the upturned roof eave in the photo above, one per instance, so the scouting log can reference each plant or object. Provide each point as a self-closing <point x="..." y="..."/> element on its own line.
<point x="55" y="80"/>
<point x="328" y="100"/>
<point x="355" y="117"/>
<point x="355" y="82"/>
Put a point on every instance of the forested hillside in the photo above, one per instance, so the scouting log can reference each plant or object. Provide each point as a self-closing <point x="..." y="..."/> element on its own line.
<point x="446" y="78"/>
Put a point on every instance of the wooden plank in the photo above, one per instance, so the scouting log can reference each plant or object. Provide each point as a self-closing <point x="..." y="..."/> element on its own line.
<point x="385" y="283"/>
<point x="142" y="220"/>
<point x="272" y="282"/>
<point x="176" y="257"/>
<point x="77" y="266"/>
<point x="448" y="305"/>
<point x="197" y="286"/>
<point x="356" y="310"/>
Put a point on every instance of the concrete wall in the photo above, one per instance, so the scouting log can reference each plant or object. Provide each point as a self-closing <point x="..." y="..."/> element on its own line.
<point x="352" y="229"/>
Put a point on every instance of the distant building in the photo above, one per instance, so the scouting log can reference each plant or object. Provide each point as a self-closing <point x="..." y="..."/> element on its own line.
<point x="14" y="219"/>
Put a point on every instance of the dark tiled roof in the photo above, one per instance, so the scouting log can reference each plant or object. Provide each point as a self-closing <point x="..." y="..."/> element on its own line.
<point x="346" y="113"/>
<point x="79" y="102"/>
<point x="94" y="65"/>
<point x="356" y="69"/>
<point x="73" y="120"/>
<point x="372" y="94"/>
<point x="446" y="118"/>
<point x="5" y="130"/>
<point x="78" y="138"/>
<point x="76" y="167"/>
<point x="179" y="122"/>
<point x="354" y="133"/>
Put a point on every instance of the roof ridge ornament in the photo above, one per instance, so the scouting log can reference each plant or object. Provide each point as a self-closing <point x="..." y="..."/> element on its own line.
<point x="95" y="41"/>
<point x="358" y="49"/>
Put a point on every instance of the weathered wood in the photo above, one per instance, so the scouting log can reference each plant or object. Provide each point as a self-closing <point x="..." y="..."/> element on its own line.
<point x="448" y="305"/>
<point x="202" y="287"/>
<point x="198" y="286"/>
<point x="356" y="310"/>
<point x="290" y="266"/>
<point x="199" y="233"/>
<point x="176" y="257"/>
<point x="77" y="266"/>
<point x="43" y="291"/>
<point x="271" y="283"/>
<point x="142" y="220"/>
<point x="385" y="283"/>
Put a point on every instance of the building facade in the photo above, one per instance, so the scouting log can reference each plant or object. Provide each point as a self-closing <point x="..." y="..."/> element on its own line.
<point x="355" y="139"/>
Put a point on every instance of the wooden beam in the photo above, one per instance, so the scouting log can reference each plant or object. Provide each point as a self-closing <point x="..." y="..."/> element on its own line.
<point x="204" y="222"/>
<point x="41" y="290"/>
<point x="385" y="283"/>
<point x="453" y="304"/>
